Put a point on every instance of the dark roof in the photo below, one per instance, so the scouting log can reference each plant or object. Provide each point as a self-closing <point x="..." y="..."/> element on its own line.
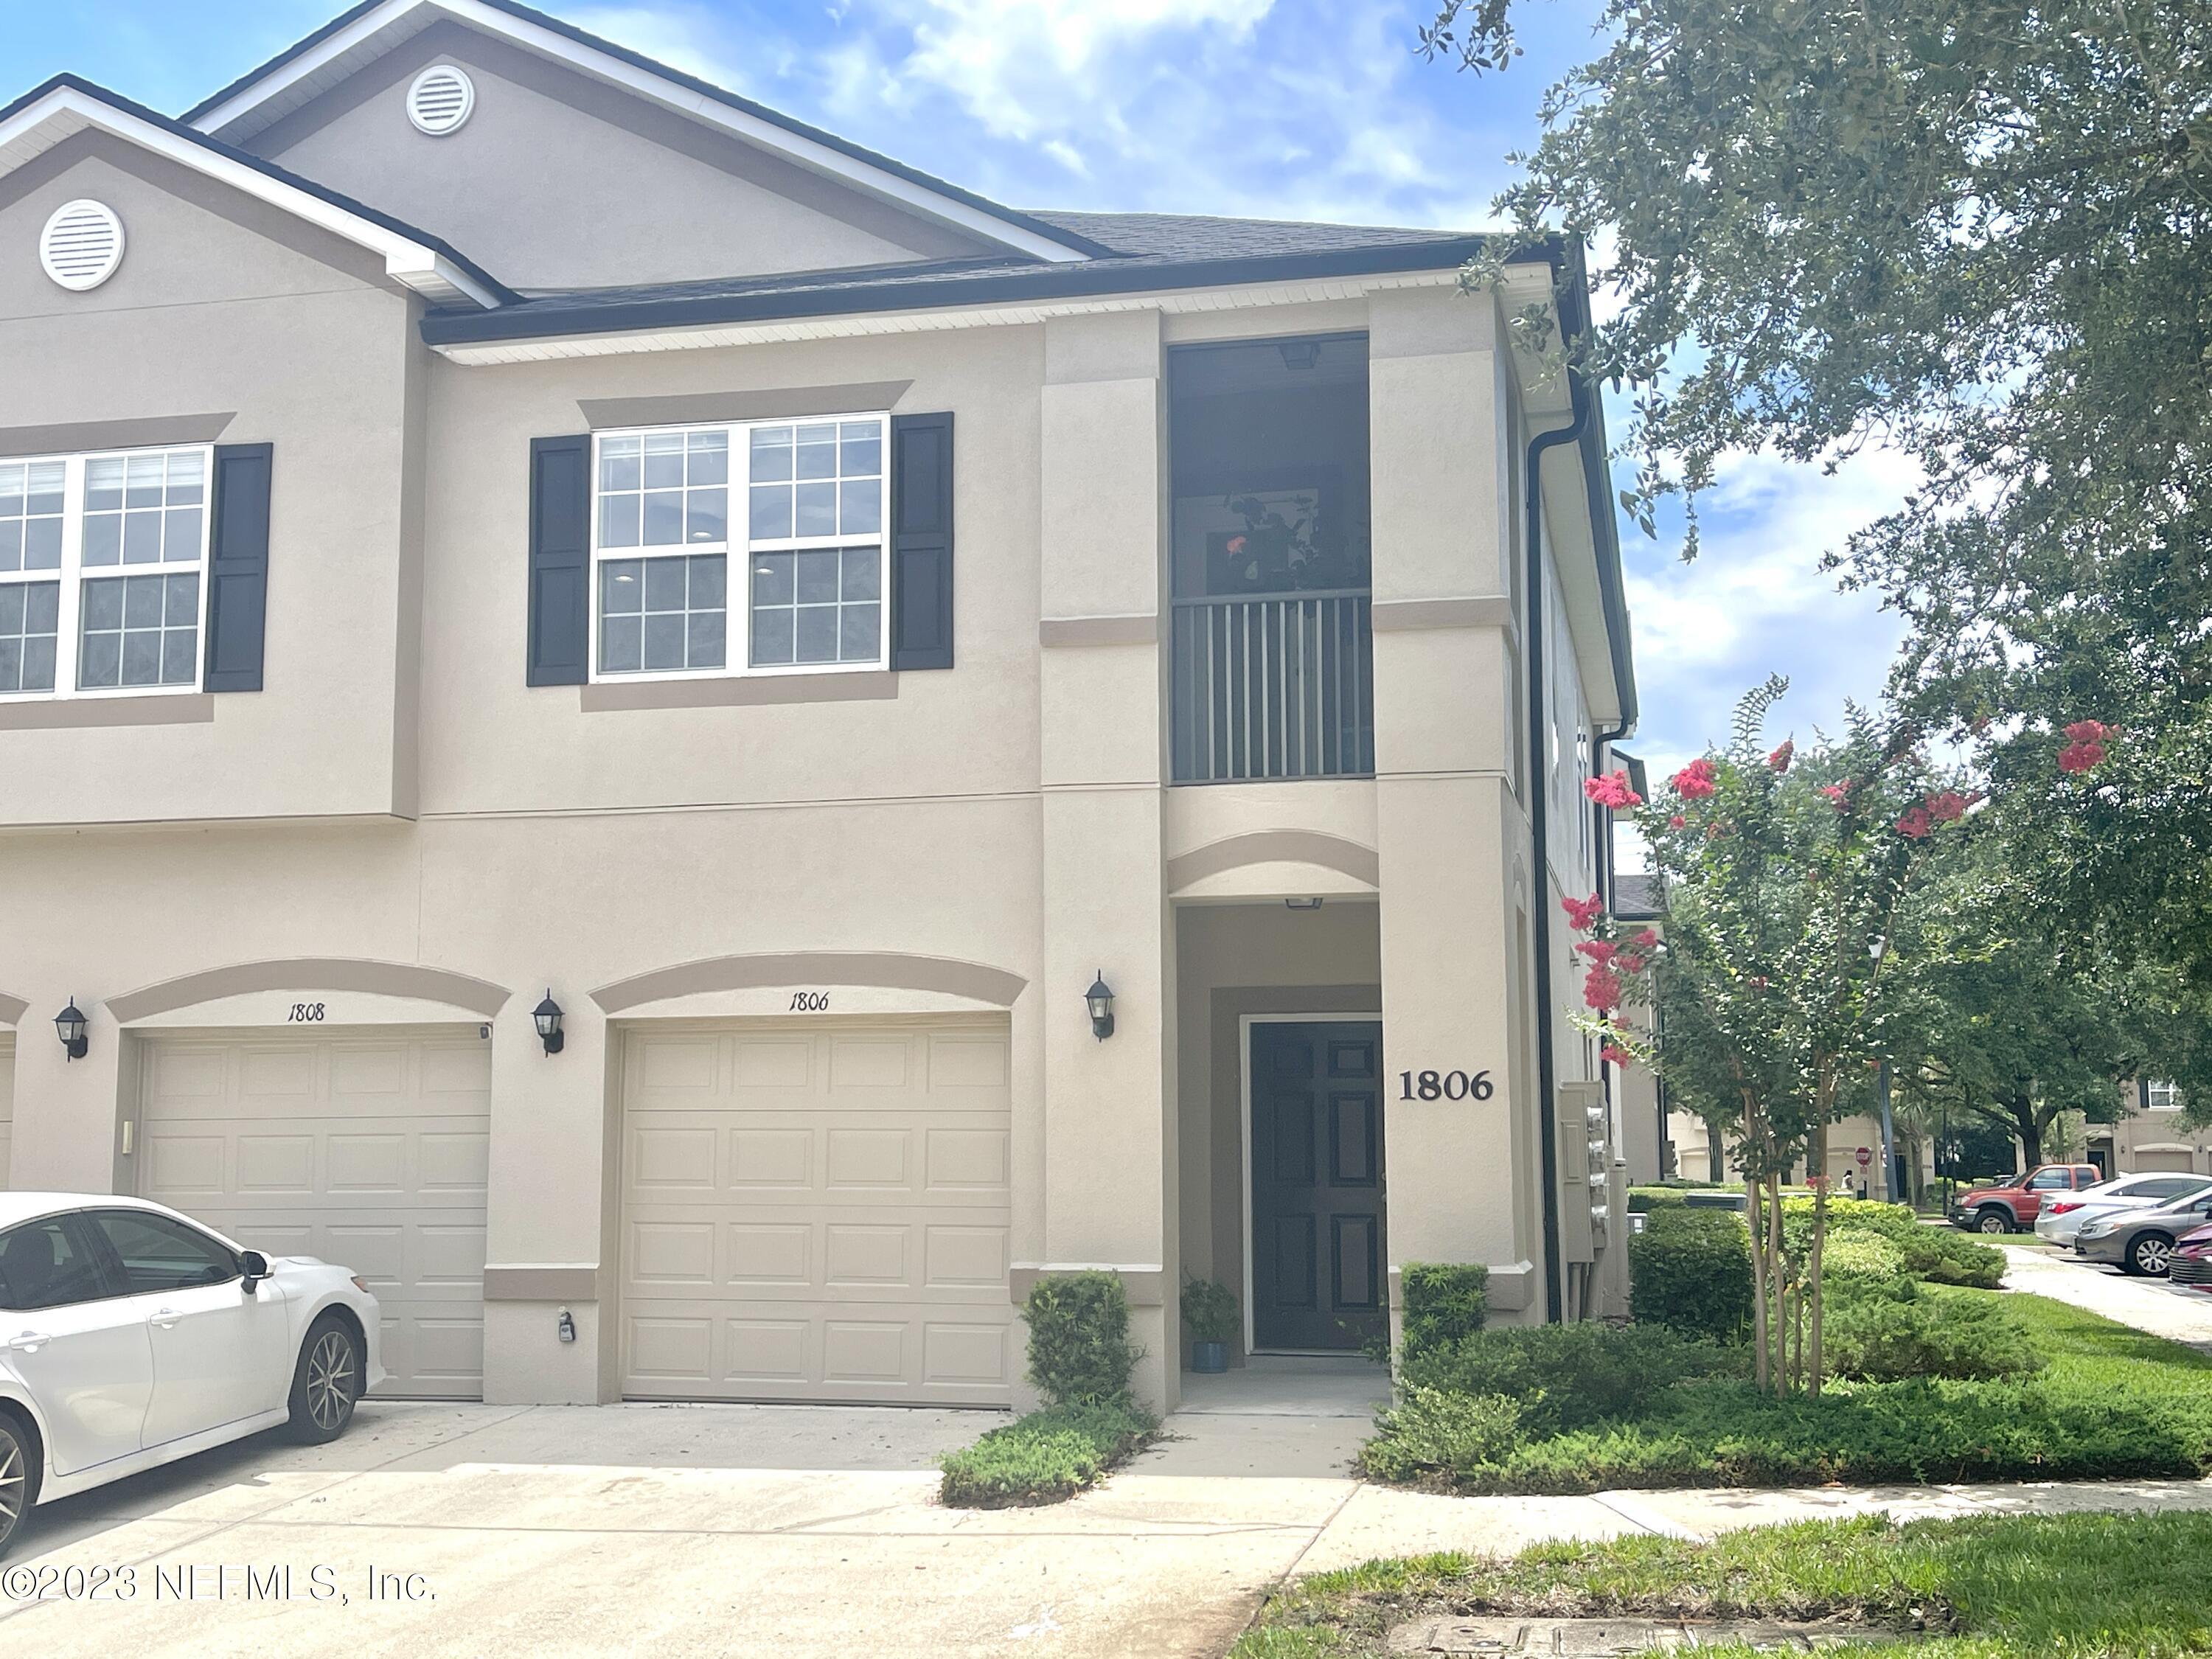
<point x="690" y="83"/>
<point x="214" y="146"/>
<point x="1635" y="897"/>
<point x="1140" y="251"/>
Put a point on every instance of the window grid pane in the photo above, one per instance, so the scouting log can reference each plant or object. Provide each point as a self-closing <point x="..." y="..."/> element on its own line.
<point x="817" y="478"/>
<point x="139" y="631"/>
<point x="665" y="489"/>
<point x="144" y="508"/>
<point x="665" y="615"/>
<point x="819" y="606"/>
<point x="31" y="499"/>
<point x="30" y="618"/>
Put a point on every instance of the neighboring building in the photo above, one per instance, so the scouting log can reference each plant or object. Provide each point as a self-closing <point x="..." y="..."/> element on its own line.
<point x="2149" y="1136"/>
<point x="487" y="520"/>
<point x="1640" y="1113"/>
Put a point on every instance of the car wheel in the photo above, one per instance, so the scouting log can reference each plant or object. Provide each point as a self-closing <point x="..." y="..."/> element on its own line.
<point x="326" y="1382"/>
<point x="1993" y="1221"/>
<point x="2151" y="1256"/>
<point x="19" y="1477"/>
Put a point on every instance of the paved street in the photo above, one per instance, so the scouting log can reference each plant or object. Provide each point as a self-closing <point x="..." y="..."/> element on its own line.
<point x="805" y="1533"/>
<point x="2148" y="1304"/>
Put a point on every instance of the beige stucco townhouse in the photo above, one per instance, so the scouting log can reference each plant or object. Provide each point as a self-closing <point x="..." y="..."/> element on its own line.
<point x="490" y="524"/>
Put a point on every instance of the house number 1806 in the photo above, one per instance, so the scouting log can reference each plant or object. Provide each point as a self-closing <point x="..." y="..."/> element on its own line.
<point x="1445" y="1086"/>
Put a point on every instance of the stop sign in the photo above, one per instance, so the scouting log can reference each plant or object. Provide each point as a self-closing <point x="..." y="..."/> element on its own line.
<point x="1866" y="1156"/>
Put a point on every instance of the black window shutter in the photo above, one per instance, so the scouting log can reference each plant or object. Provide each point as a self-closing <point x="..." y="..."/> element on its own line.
<point x="560" y="560"/>
<point x="238" y="567"/>
<point x="922" y="541"/>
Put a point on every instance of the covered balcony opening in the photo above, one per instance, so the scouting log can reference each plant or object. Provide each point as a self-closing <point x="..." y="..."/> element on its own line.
<point x="1271" y="655"/>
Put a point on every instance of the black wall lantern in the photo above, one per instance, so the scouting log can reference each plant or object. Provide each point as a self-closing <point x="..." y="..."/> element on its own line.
<point x="548" y="1016"/>
<point x="1100" y="997"/>
<point x="70" y="1025"/>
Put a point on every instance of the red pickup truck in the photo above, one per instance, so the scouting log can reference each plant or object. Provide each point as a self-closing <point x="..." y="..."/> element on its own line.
<point x="2011" y="1206"/>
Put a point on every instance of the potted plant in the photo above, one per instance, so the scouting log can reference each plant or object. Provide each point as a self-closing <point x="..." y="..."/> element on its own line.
<point x="1209" y="1313"/>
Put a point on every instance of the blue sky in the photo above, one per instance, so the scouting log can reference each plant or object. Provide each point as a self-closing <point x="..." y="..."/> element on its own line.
<point x="1275" y="108"/>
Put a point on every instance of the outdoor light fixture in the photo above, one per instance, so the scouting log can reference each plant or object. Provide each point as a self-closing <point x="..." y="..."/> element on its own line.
<point x="548" y="1016"/>
<point x="1302" y="905"/>
<point x="1300" y="354"/>
<point x="69" y="1023"/>
<point x="1100" y="997"/>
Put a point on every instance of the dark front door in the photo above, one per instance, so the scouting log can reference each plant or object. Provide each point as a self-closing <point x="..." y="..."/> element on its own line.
<point x="1317" y="1256"/>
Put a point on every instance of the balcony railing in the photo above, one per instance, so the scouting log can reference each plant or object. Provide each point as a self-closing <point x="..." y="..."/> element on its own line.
<point x="1280" y="686"/>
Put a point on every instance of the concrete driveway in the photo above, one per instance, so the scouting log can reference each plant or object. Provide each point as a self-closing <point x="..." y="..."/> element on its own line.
<point x="791" y="1531"/>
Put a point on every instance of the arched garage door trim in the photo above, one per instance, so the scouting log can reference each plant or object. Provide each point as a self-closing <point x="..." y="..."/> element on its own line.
<point x="884" y="970"/>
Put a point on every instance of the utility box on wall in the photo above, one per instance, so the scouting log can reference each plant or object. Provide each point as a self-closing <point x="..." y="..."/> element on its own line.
<point x="1585" y="1145"/>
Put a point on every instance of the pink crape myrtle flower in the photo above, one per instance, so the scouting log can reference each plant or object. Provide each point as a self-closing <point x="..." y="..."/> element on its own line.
<point x="1602" y="989"/>
<point x="1583" y="912"/>
<point x="1779" y="760"/>
<point x="1677" y="822"/>
<point x="2085" y="745"/>
<point x="1839" y="794"/>
<point x="1618" y="1055"/>
<point x="1915" y="824"/>
<point x="1948" y="805"/>
<point x="1696" y="780"/>
<point x="1612" y="791"/>
<point x="1598" y="950"/>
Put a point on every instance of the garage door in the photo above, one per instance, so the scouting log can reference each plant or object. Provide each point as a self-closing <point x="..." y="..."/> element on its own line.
<point x="2147" y="1162"/>
<point x="7" y="1103"/>
<point x="360" y="1146"/>
<point x="816" y="1212"/>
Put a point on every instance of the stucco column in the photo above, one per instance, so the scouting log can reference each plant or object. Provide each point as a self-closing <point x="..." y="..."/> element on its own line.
<point x="66" y="1112"/>
<point x="1109" y="1121"/>
<point x="550" y="1222"/>
<point x="1462" y="1172"/>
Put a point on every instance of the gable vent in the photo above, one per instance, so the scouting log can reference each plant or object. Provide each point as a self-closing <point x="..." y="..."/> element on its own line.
<point x="82" y="244"/>
<point x="439" y="100"/>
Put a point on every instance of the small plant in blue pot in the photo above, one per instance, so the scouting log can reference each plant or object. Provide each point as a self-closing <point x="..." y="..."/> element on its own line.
<point x="1209" y="1314"/>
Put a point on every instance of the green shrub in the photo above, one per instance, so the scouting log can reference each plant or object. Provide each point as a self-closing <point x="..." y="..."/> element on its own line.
<point x="1209" y="1310"/>
<point x="1434" y="1432"/>
<point x="1079" y="1348"/>
<point x="1868" y="1260"/>
<point x="1641" y="1200"/>
<point x="1942" y="1255"/>
<point x="1889" y="1339"/>
<point x="1565" y="1377"/>
<point x="1690" y="1269"/>
<point x="1043" y="1458"/>
<point x="1445" y="1302"/>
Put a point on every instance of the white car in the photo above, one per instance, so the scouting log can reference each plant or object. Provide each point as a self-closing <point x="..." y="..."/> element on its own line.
<point x="132" y="1336"/>
<point x="2062" y="1213"/>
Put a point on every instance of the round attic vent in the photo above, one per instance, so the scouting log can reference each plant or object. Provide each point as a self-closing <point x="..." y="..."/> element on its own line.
<point x="82" y="244"/>
<point x="439" y="100"/>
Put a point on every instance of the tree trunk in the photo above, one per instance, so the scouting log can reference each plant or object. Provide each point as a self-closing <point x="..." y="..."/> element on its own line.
<point x="2023" y="1111"/>
<point x="1813" y="1277"/>
<point x="1755" y="1219"/>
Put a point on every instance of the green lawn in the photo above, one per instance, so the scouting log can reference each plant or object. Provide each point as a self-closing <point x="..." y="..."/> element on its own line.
<point x="2013" y="1586"/>
<point x="2110" y="1402"/>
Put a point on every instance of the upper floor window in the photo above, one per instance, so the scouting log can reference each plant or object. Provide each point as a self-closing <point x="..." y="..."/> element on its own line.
<point x="2162" y="1097"/>
<point x="809" y="500"/>
<point x="102" y="565"/>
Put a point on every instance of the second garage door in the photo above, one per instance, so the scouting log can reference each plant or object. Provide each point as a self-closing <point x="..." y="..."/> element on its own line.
<point x="816" y="1212"/>
<point x="2169" y="1161"/>
<point x="363" y="1147"/>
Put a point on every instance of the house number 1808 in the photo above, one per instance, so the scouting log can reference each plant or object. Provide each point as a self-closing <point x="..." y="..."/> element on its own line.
<point x="1445" y="1086"/>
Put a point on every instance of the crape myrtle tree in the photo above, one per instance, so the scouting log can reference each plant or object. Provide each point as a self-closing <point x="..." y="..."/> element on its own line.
<point x="1979" y="233"/>
<point x="1782" y="873"/>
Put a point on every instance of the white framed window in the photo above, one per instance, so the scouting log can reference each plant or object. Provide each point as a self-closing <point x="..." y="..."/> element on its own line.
<point x="794" y="510"/>
<point x="2162" y="1097"/>
<point x="103" y="572"/>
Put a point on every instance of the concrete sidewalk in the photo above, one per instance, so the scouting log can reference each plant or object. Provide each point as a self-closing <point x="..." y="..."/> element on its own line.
<point x="803" y="1532"/>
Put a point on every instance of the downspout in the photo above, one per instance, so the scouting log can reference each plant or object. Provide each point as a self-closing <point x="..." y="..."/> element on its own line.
<point x="1539" y="787"/>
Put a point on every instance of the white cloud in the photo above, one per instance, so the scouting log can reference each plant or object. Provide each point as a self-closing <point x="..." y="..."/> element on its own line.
<point x="1756" y="602"/>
